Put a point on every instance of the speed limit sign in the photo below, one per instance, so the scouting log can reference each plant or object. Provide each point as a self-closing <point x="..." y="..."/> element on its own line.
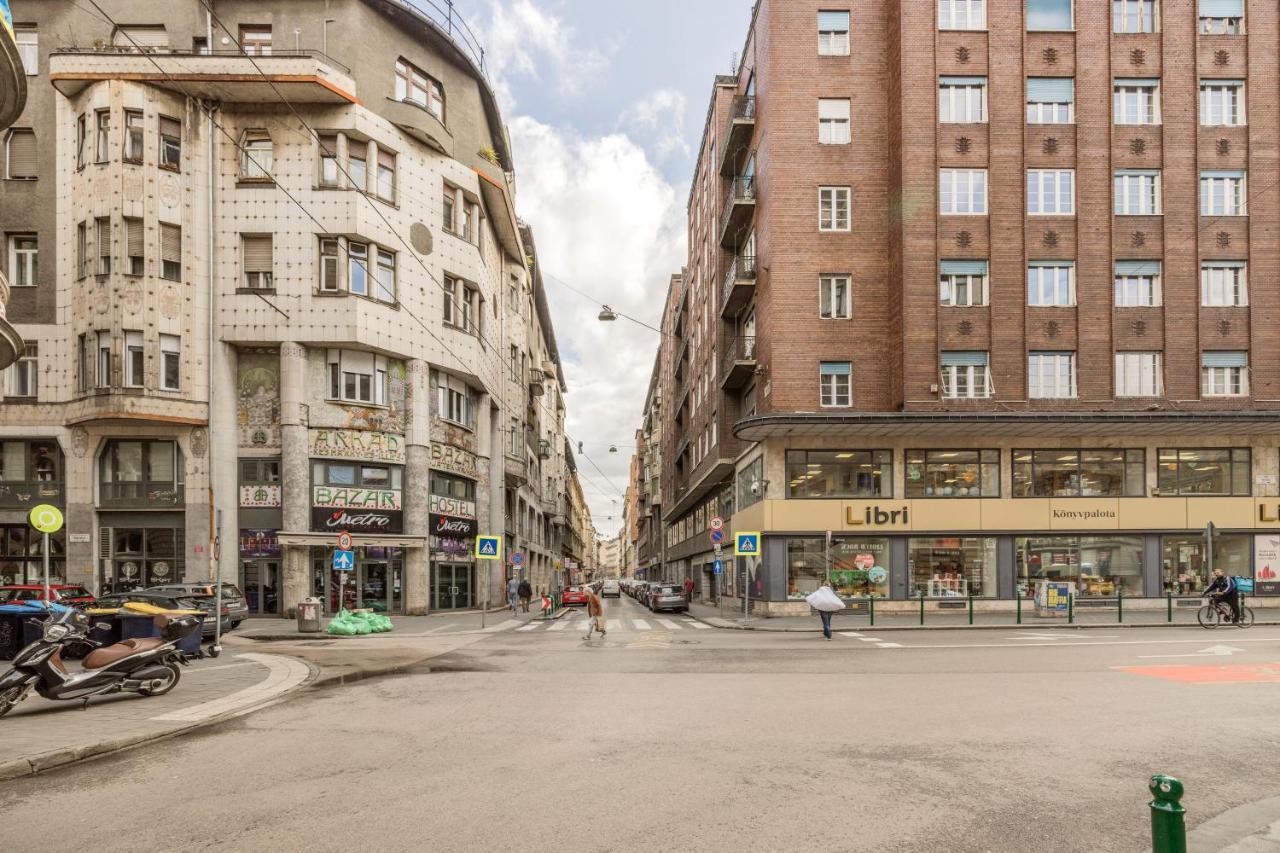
<point x="717" y="523"/>
<point x="344" y="541"/>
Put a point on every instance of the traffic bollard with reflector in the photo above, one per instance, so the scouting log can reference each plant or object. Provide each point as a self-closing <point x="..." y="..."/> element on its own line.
<point x="1168" y="821"/>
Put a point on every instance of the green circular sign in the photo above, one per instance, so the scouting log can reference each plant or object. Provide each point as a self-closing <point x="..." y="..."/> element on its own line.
<point x="46" y="518"/>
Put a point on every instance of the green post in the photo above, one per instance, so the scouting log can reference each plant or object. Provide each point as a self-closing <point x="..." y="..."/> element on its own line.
<point x="970" y="608"/>
<point x="1168" y="817"/>
<point x="1018" y="597"/>
<point x="1120" y="606"/>
<point x="871" y="608"/>
<point x="1169" y="600"/>
<point x="921" y="607"/>
<point x="1071" y="608"/>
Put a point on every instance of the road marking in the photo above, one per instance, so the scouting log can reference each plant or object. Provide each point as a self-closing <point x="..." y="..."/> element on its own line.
<point x="613" y="625"/>
<point x="530" y="627"/>
<point x="501" y="626"/>
<point x="870" y="639"/>
<point x="854" y="634"/>
<point x="559" y="625"/>
<point x="699" y="625"/>
<point x="667" y="623"/>
<point x="1062" y="637"/>
<point x="1236" y="673"/>
<point x="284" y="673"/>
<point x="888" y="645"/>
<point x="1212" y="651"/>
<point x="640" y="624"/>
<point x="1078" y="645"/>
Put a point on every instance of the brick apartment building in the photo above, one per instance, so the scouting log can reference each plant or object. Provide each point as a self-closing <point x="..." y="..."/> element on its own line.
<point x="981" y="293"/>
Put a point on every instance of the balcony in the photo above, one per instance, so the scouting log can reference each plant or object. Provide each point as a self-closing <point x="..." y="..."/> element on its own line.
<point x="737" y="132"/>
<point x="536" y="379"/>
<point x="739" y="284"/>
<point x="739" y="207"/>
<point x="140" y="495"/>
<point x="299" y="76"/>
<point x="544" y="449"/>
<point x="515" y="471"/>
<point x="739" y="363"/>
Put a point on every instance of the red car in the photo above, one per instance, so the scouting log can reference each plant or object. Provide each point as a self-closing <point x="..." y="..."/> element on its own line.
<point x="575" y="595"/>
<point x="69" y="594"/>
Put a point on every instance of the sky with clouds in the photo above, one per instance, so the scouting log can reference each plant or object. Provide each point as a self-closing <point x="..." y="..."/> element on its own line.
<point x="605" y="101"/>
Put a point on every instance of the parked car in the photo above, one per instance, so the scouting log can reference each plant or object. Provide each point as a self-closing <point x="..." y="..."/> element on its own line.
<point x="62" y="593"/>
<point x="610" y="588"/>
<point x="667" y="596"/>
<point x="233" y="600"/>
<point x="167" y="602"/>
<point x="646" y="589"/>
<point x="574" y="595"/>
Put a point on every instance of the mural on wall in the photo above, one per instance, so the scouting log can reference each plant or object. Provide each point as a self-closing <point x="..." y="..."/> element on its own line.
<point x="258" y="398"/>
<point x="395" y="417"/>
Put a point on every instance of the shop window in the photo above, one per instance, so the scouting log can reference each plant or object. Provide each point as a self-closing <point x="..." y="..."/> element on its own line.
<point x="857" y="567"/>
<point x="1206" y="471"/>
<point x="142" y="557"/>
<point x="1098" y="565"/>
<point x="953" y="473"/>
<point x="141" y="473"/>
<point x="952" y="566"/>
<point x="839" y="473"/>
<point x="30" y="462"/>
<point x="1079" y="473"/>
<point x="1185" y="561"/>
<point x="1051" y="100"/>
<point x="357" y="377"/>
<point x="22" y="556"/>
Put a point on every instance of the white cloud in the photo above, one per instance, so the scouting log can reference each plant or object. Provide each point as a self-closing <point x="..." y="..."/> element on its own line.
<point x="523" y="39"/>
<point x="608" y="223"/>
<point x="658" y="119"/>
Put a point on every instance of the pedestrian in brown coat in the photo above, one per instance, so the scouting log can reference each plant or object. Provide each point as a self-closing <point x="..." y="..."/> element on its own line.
<point x="595" y="614"/>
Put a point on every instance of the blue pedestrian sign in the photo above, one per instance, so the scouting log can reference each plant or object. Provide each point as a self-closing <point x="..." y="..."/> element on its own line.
<point x="747" y="544"/>
<point x="344" y="561"/>
<point x="489" y="547"/>
<point x="718" y="567"/>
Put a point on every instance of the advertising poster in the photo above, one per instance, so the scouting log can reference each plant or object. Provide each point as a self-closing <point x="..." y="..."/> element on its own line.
<point x="1266" y="564"/>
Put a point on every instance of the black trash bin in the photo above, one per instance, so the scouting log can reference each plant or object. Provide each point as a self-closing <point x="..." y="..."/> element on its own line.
<point x="11" y="619"/>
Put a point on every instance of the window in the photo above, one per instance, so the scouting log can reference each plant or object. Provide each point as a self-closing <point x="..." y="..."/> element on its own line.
<point x="1224" y="374"/>
<point x="1135" y="101"/>
<point x="1137" y="284"/>
<point x="23" y="260"/>
<point x="255" y="40"/>
<point x="963" y="283"/>
<point x="454" y="400"/>
<point x="256" y="156"/>
<point x="450" y="311"/>
<point x="260" y="471"/>
<point x="140" y="39"/>
<point x="135" y="259"/>
<point x="1222" y="103"/>
<point x="170" y="143"/>
<point x="328" y="265"/>
<point x="28" y="49"/>
<point x="357" y="377"/>
<point x="962" y="100"/>
<point x="20" y="154"/>
<point x="833" y="208"/>
<point x="257" y="254"/>
<point x="514" y="449"/>
<point x="966" y="375"/>
<point x="833" y="33"/>
<point x="1224" y="284"/>
<point x="385" y="278"/>
<point x="170" y="362"/>
<point x="833" y="121"/>
<point x="1137" y="192"/>
<point x="1222" y="193"/>
<point x="23" y="376"/>
<point x="450" y="220"/>
<point x="357" y="164"/>
<point x="328" y="160"/>
<point x="102" y="147"/>
<point x="103" y="237"/>
<point x="962" y="14"/>
<point x="470" y="213"/>
<point x="839" y="473"/>
<point x="1135" y="16"/>
<point x="836" y="384"/>
<point x="1100" y="566"/>
<point x="82" y="135"/>
<point x="1048" y="15"/>
<point x="133" y="130"/>
<point x="1051" y="100"/>
<point x="835" y="302"/>
<point x="419" y="88"/>
<point x="1139" y="374"/>
<point x="1051" y="283"/>
<point x="1051" y="375"/>
<point x="134" y="358"/>
<point x="1111" y="472"/>
<point x="142" y="473"/>
<point x="104" y="359"/>
<point x="1218" y="471"/>
<point x="358" y="269"/>
<point x="953" y="473"/>
<point x="170" y="252"/>
<point x="1221" y="17"/>
<point x="963" y="192"/>
<point x="386" y="175"/>
<point x="82" y="249"/>
<point x="1051" y="192"/>
<point x="514" y="359"/>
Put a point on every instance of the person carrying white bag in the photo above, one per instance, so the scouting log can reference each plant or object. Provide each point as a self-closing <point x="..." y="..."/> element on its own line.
<point x="825" y="601"/>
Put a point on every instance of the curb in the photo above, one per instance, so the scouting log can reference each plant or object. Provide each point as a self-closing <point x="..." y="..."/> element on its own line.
<point x="726" y="625"/>
<point x="1234" y="826"/>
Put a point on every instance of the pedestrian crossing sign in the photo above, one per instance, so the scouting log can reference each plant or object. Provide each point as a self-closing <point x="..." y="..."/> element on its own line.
<point x="747" y="544"/>
<point x="489" y="547"/>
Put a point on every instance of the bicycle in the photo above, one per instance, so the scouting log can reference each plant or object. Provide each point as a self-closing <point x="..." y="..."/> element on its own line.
<point x="1216" y="612"/>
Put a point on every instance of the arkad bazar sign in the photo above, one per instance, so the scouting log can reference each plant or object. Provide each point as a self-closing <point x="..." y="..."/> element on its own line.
<point x="455" y="460"/>
<point x="346" y="497"/>
<point x="356" y="444"/>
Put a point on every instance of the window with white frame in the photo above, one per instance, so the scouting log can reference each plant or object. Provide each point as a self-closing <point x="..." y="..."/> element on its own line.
<point x="28" y="41"/>
<point x="171" y="252"/>
<point x="357" y="377"/>
<point x="1139" y="374"/>
<point x="22" y="379"/>
<point x="1222" y="193"/>
<point x="962" y="283"/>
<point x="1050" y="15"/>
<point x="962" y="100"/>
<point x="452" y="288"/>
<point x="255" y="39"/>
<point x="1222" y="103"/>
<point x="1224" y="374"/>
<point x="1137" y="192"/>
<point x="20" y="154"/>
<point x="833" y="121"/>
<point x="418" y="87"/>
<point x="966" y="375"/>
<point x="833" y="33"/>
<point x="82" y="249"/>
<point x="1137" y="284"/>
<point x="1224" y="284"/>
<point x="836" y="384"/>
<point x="329" y="279"/>
<point x="1221" y="17"/>
<point x="134" y="360"/>
<point x="134" y="136"/>
<point x="962" y="14"/>
<point x="134" y="251"/>
<point x="962" y="192"/>
<point x="102" y="146"/>
<point x="454" y="400"/>
<point x="104" y="360"/>
<point x="835" y="302"/>
<point x="103" y="241"/>
<point x="328" y="151"/>
<point x="1051" y="100"/>
<point x="82" y="139"/>
<point x="170" y="143"/>
<point x="1135" y="101"/>
<point x="24" y="256"/>
<point x="833" y="208"/>
<point x="256" y="254"/>
<point x="358" y="164"/>
<point x="1051" y="283"/>
<point x="84" y="360"/>
<point x="386" y="183"/>
<point x="1135" y="16"/>
<point x="1051" y="192"/>
<point x="385" y="276"/>
<point x="257" y="156"/>
<point x="358" y="268"/>
<point x="170" y="363"/>
<point x="1051" y="375"/>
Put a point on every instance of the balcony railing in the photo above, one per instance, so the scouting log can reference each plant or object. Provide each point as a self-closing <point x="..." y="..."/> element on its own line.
<point x="141" y="494"/>
<point x="129" y="49"/>
<point x="738" y="129"/>
<point x="738" y="207"/>
<point x="544" y="449"/>
<point x="739" y="280"/>
<point x="739" y="362"/>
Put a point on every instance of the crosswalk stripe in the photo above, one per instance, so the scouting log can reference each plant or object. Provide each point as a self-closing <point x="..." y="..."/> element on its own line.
<point x="889" y="646"/>
<point x="559" y="625"/>
<point x="614" y="624"/>
<point x="667" y="623"/>
<point x="640" y="624"/>
<point x="530" y="627"/>
<point x="699" y="625"/>
<point x="852" y="634"/>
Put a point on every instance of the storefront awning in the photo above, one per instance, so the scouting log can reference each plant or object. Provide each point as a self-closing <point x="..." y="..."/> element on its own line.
<point x="359" y="540"/>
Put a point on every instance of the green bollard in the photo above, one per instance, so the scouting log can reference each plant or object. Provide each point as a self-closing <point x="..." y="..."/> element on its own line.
<point x="1120" y="606"/>
<point x="1169" y="600"/>
<point x="922" y="608"/>
<point x="1018" y="597"/>
<point x="971" y="608"/>
<point x="871" y="608"/>
<point x="1071" y="608"/>
<point x="1168" y="821"/>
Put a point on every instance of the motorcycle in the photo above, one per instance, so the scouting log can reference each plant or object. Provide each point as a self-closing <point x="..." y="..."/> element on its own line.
<point x="147" y="666"/>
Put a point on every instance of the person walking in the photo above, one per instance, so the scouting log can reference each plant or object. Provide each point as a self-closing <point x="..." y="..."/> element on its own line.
<point x="826" y="602"/>
<point x="513" y="594"/>
<point x="526" y="592"/>
<point x="688" y="589"/>
<point x="595" y="614"/>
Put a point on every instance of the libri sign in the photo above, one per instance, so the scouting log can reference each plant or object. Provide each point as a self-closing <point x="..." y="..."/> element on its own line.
<point x="356" y="444"/>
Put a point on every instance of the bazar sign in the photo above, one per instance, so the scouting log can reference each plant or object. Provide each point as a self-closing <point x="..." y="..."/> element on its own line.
<point x="455" y="460"/>
<point x="451" y="506"/>
<point x="356" y="444"/>
<point x="356" y="521"/>
<point x="260" y="495"/>
<point x="345" y="497"/>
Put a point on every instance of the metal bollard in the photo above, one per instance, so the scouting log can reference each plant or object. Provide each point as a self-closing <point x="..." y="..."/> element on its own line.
<point x="1071" y="608"/>
<point x="1120" y="606"/>
<point x="1168" y="821"/>
<point x="871" y="609"/>
<point x="1018" y="597"/>
<point x="971" y="608"/>
<point x="1169" y="603"/>
<point x="922" y="607"/>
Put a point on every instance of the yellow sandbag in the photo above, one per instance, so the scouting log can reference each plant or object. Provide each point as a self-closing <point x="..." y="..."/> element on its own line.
<point x="152" y="610"/>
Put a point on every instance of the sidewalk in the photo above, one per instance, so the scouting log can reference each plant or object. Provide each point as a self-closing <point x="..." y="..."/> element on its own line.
<point x="286" y="630"/>
<point x="1251" y="828"/>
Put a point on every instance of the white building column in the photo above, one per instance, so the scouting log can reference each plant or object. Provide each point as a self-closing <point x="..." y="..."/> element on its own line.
<point x="417" y="482"/>
<point x="295" y="476"/>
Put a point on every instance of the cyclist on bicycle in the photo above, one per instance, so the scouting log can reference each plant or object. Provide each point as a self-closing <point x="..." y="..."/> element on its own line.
<point x="1223" y="588"/>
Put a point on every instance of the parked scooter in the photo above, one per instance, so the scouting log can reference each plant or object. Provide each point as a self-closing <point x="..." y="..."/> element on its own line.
<point x="147" y="666"/>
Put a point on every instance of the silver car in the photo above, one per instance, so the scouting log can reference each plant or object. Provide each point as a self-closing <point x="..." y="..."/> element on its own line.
<point x="667" y="596"/>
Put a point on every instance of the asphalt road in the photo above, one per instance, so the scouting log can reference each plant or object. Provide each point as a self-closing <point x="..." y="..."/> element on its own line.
<point x="667" y="736"/>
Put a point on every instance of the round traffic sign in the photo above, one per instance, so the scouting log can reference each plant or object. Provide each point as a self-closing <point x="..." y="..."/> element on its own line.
<point x="344" y="541"/>
<point x="717" y="536"/>
<point x="46" y="518"/>
<point x="517" y="558"/>
<point x="717" y="523"/>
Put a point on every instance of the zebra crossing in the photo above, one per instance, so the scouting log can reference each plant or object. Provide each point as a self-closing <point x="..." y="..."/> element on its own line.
<point x="574" y="621"/>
